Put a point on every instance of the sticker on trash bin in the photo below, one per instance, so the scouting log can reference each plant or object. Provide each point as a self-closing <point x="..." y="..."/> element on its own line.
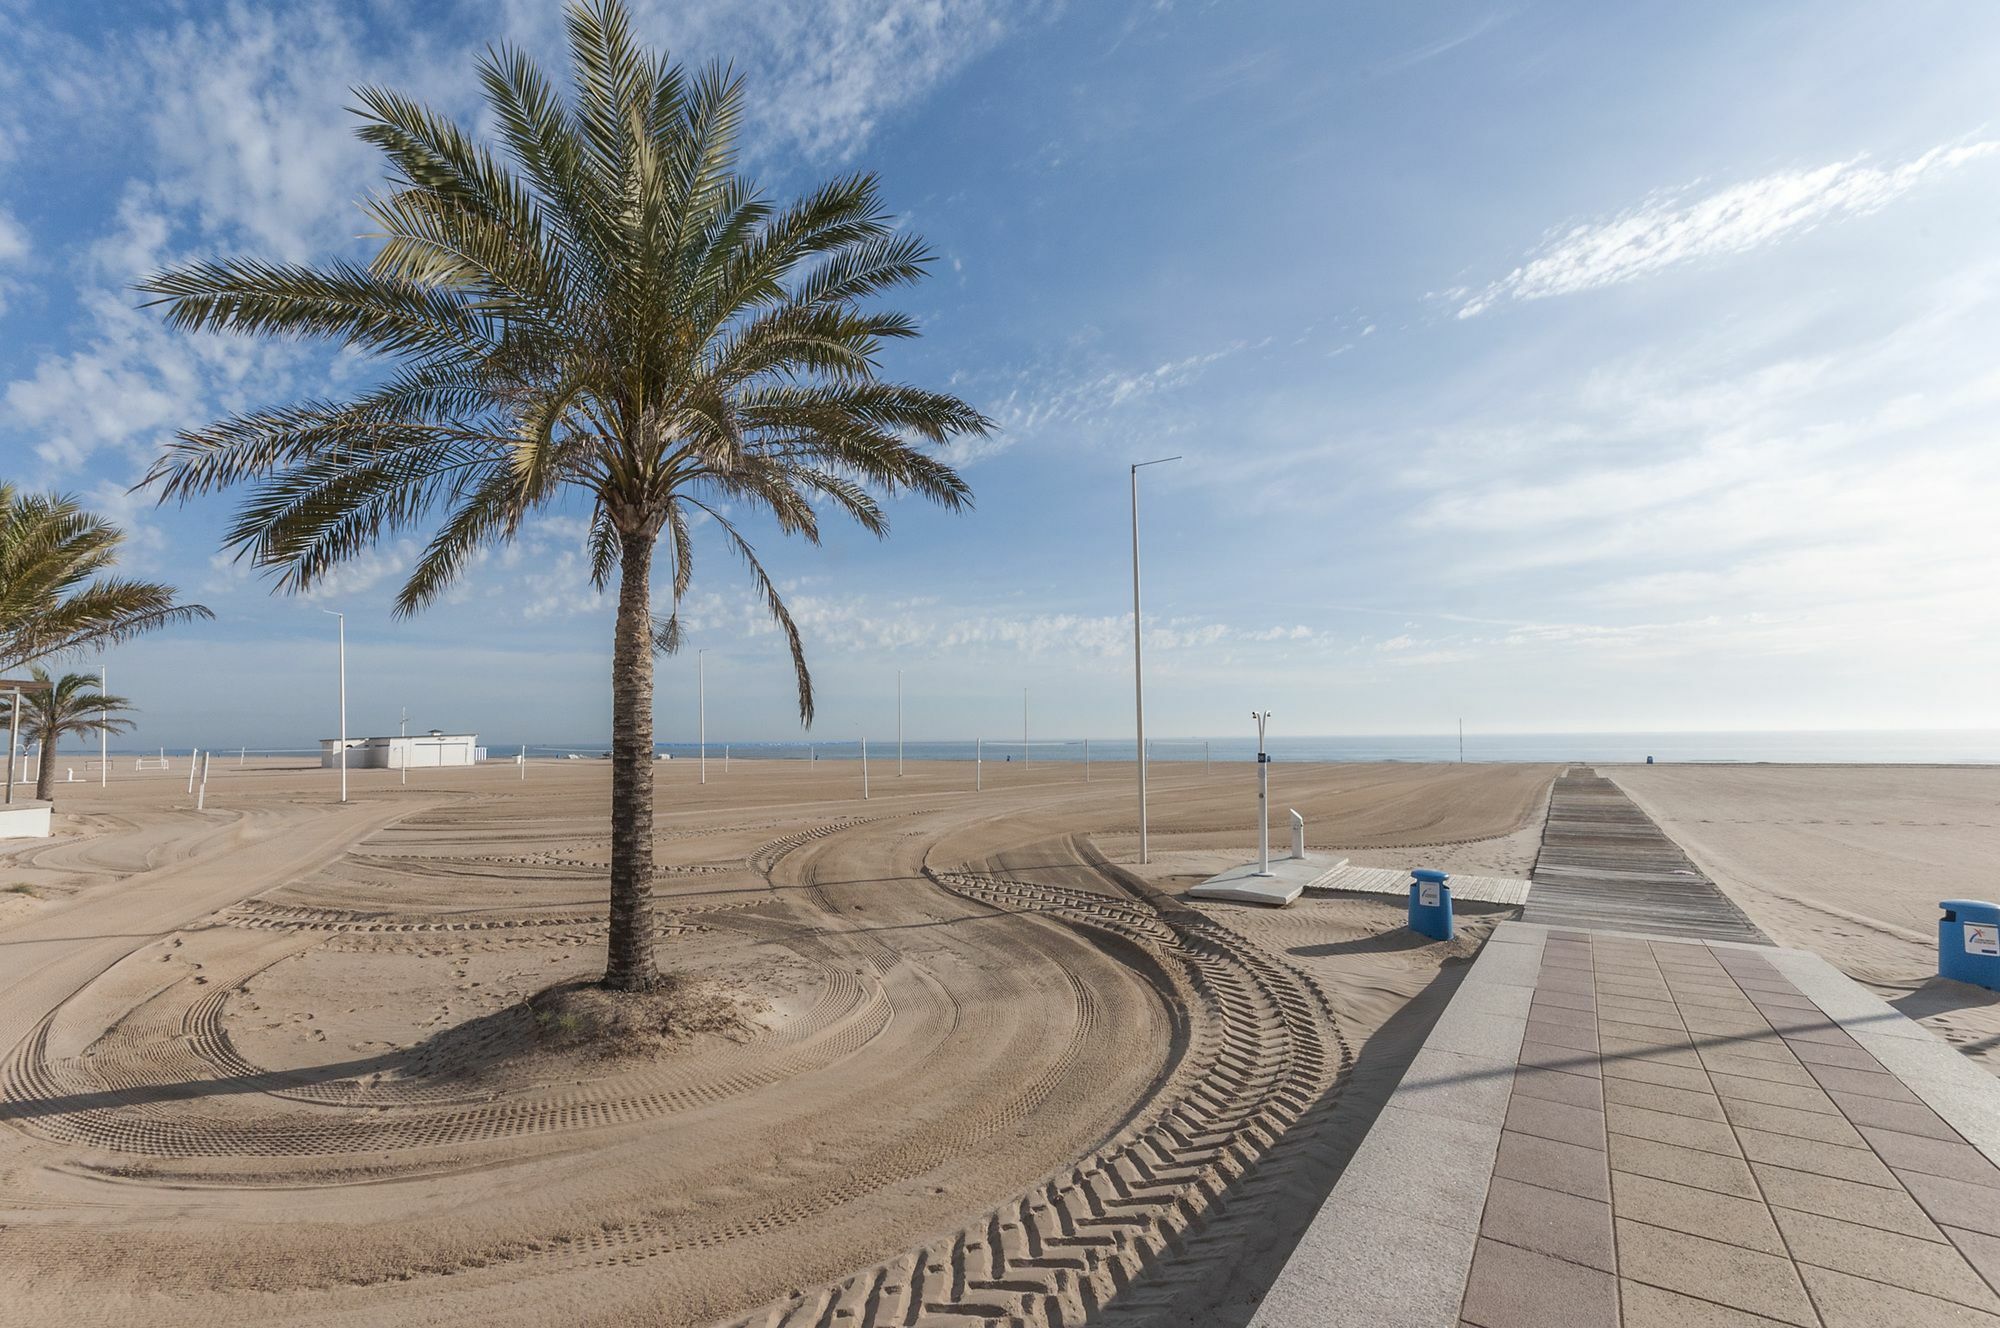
<point x="1427" y="895"/>
<point x="1982" y="938"/>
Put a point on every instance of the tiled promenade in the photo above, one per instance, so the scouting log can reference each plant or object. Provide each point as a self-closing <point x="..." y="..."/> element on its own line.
<point x="1606" y="1128"/>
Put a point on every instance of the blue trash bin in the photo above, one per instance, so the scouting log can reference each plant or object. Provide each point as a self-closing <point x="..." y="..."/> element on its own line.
<point x="1430" y="904"/>
<point x="1969" y="942"/>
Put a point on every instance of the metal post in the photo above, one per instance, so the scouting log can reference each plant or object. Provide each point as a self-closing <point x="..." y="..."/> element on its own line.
<point x="1461" y="742"/>
<point x="343" y="701"/>
<point x="864" y="769"/>
<point x="1263" y="796"/>
<point x="13" y="727"/>
<point x="522" y="761"/>
<point x="899" y="723"/>
<point x="1086" y="760"/>
<point x="1204" y="760"/>
<point x="403" y="757"/>
<point x="103" y="734"/>
<point x="978" y="767"/>
<point x="194" y="759"/>
<point x="1024" y="730"/>
<point x="701" y="691"/>
<point x="725" y="758"/>
<point x="1139" y="659"/>
<point x="201" y="798"/>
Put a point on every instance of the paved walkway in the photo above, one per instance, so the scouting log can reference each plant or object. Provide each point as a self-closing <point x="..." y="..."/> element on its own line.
<point x="1607" y="1128"/>
<point x="1605" y="864"/>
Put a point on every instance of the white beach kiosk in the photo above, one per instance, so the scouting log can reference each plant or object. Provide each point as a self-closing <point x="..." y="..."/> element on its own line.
<point x="414" y="751"/>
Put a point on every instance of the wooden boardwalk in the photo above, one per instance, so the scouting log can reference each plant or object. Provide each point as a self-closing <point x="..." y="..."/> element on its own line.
<point x="1604" y="864"/>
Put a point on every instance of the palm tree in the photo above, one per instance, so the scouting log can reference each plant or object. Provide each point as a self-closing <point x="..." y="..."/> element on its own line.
<point x="52" y="598"/>
<point x="600" y="306"/>
<point x="71" y="706"/>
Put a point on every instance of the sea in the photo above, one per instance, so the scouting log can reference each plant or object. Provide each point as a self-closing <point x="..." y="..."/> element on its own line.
<point x="1862" y="746"/>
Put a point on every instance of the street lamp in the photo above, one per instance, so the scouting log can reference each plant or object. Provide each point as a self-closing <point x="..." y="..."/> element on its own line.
<point x="1138" y="653"/>
<point x="343" y="701"/>
<point x="899" y="723"/>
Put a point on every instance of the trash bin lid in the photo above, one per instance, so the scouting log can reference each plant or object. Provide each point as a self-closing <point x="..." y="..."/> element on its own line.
<point x="1426" y="874"/>
<point x="1979" y="909"/>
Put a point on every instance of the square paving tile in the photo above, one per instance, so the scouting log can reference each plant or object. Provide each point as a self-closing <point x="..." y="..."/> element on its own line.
<point x="1846" y="1301"/>
<point x="1660" y="1203"/>
<point x="1903" y="1261"/>
<point x="1555" y="1165"/>
<point x="1516" y="1288"/>
<point x="1578" y="1090"/>
<point x="1933" y="1157"/>
<point x="1669" y="1127"/>
<point x="1730" y="1275"/>
<point x="1827" y="1129"/>
<point x="1749" y="1089"/>
<point x="1664" y="1097"/>
<point x="1654" y="1072"/>
<point x="1569" y="1060"/>
<point x="1683" y="1166"/>
<point x="1788" y="1150"/>
<point x="1907" y="1117"/>
<point x="1556" y="1120"/>
<point x="1850" y="1201"/>
<point x="1550" y="1222"/>
<point x="1653" y="1307"/>
<point x="1543" y="1013"/>
<point x="1862" y="1083"/>
<point x="1575" y="1037"/>
<point x="1731" y="1061"/>
<point x="1954" y="1203"/>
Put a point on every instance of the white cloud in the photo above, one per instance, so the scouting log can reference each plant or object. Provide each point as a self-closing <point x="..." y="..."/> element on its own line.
<point x="1670" y="229"/>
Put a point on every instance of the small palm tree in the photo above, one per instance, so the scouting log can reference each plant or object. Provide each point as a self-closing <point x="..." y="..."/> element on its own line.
<point x="602" y="306"/>
<point x="52" y="598"/>
<point x="71" y="706"/>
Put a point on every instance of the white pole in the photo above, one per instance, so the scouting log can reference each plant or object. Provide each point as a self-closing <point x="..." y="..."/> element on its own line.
<point x="701" y="692"/>
<point x="864" y="769"/>
<point x="1024" y="730"/>
<point x="1263" y="797"/>
<point x="194" y="757"/>
<point x="1461" y="742"/>
<point x="103" y="734"/>
<point x="1086" y="760"/>
<point x="201" y="798"/>
<point x="978" y="766"/>
<point x="725" y="758"/>
<point x="899" y="723"/>
<point x="1139" y="658"/>
<point x="522" y="761"/>
<point x="403" y="757"/>
<point x="242" y="755"/>
<point x="1204" y="760"/>
<point x="13" y="727"/>
<point x="343" y="701"/>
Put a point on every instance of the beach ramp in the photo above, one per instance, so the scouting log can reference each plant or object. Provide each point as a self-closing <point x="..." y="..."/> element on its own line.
<point x="1604" y="863"/>
<point x="1614" y="1128"/>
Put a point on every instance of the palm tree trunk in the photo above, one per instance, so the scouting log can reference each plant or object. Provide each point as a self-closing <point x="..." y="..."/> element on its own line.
<point x="630" y="965"/>
<point x="42" y="772"/>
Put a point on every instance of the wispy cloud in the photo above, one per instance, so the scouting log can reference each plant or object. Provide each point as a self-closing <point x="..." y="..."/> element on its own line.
<point x="1673" y="228"/>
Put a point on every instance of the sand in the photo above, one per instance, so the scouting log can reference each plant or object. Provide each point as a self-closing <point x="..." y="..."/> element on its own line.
<point x="1850" y="862"/>
<point x="270" y="1062"/>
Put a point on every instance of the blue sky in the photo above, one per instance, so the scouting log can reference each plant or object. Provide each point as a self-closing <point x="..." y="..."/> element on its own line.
<point x="1563" y="367"/>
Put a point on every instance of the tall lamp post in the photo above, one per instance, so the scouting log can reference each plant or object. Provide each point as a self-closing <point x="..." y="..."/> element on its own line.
<point x="1263" y="717"/>
<point x="1138" y="653"/>
<point x="343" y="701"/>
<point x="701" y="700"/>
<point x="899" y="723"/>
<point x="103" y="738"/>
